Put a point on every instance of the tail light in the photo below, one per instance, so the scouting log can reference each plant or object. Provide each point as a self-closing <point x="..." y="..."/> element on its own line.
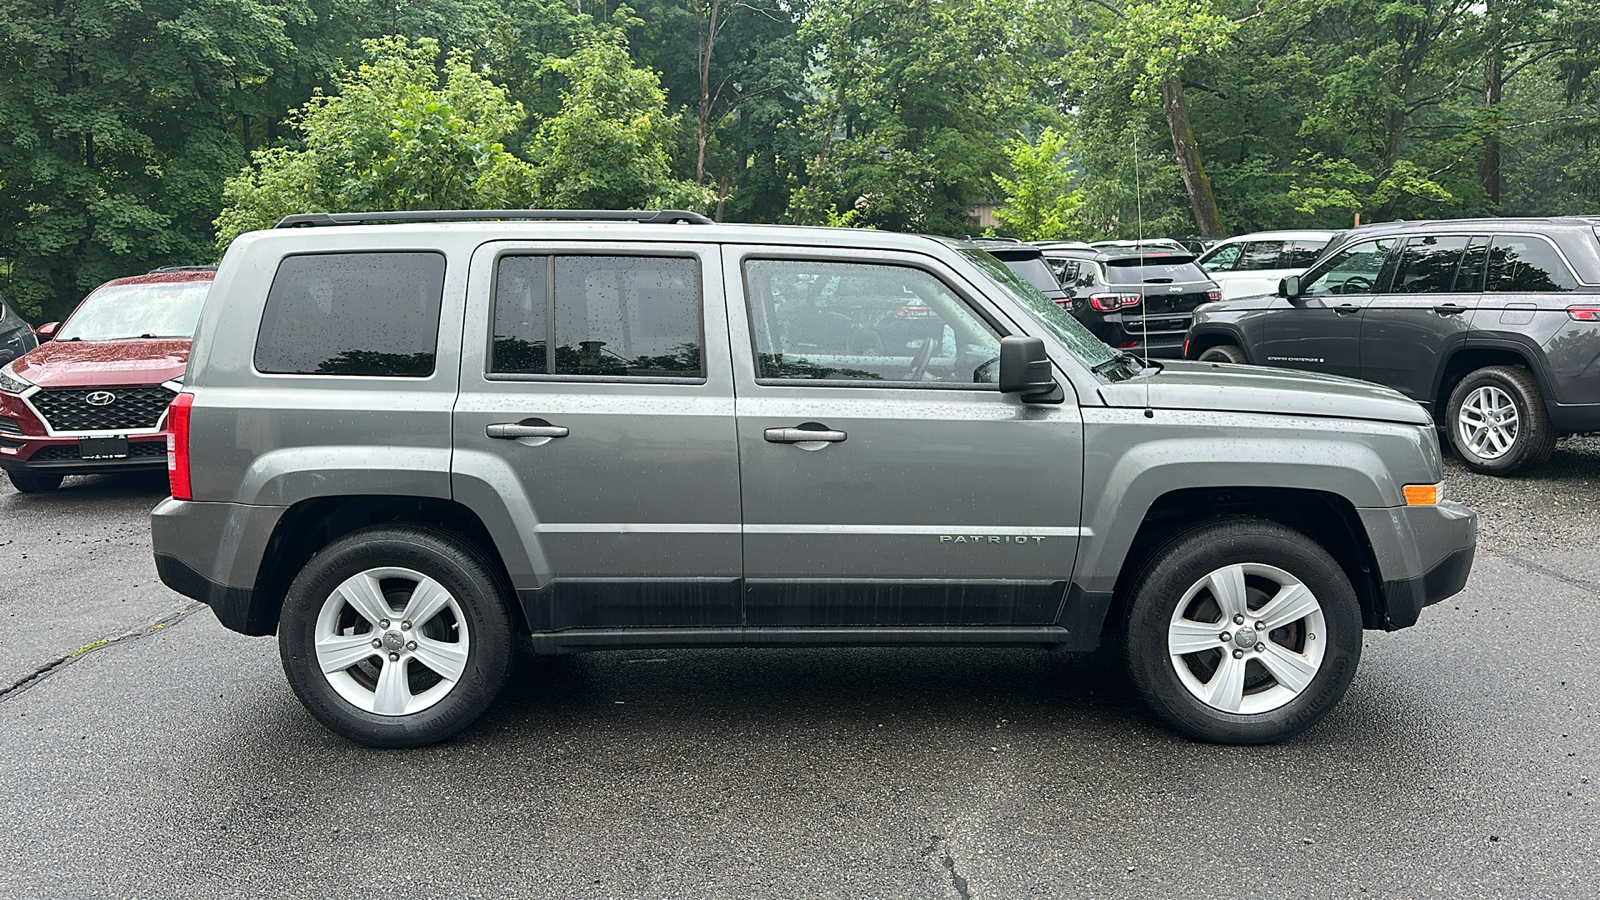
<point x="1584" y="313"/>
<point x="178" y="446"/>
<point x="1214" y="294"/>
<point x="1110" y="302"/>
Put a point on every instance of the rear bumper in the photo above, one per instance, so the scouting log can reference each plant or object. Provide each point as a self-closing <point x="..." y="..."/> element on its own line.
<point x="212" y="552"/>
<point x="1424" y="555"/>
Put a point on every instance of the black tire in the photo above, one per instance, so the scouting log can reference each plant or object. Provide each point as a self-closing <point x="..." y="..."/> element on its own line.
<point x="1178" y="566"/>
<point x="33" y="482"/>
<point x="1535" y="437"/>
<point x="472" y="583"/>
<point x="1223" y="353"/>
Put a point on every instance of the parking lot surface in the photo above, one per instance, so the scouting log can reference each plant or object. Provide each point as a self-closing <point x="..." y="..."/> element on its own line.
<point x="172" y="759"/>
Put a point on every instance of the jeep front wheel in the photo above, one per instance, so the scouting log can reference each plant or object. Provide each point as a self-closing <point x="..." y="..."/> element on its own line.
<point x="1242" y="632"/>
<point x="1497" y="421"/>
<point x="396" y="636"/>
<point x="1223" y="353"/>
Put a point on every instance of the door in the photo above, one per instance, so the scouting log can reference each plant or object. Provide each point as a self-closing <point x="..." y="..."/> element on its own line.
<point x="886" y="480"/>
<point x="1320" y="330"/>
<point x="598" y="408"/>
<point x="1408" y="331"/>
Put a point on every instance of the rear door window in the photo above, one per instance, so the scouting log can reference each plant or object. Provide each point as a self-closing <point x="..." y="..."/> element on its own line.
<point x="1300" y="254"/>
<point x="1428" y="264"/>
<point x="373" y="314"/>
<point x="1259" y="255"/>
<point x="601" y="316"/>
<point x="1519" y="264"/>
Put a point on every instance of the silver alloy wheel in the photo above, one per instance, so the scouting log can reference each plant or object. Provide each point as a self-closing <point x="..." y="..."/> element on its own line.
<point x="391" y="641"/>
<point x="1247" y="638"/>
<point x="1487" y="422"/>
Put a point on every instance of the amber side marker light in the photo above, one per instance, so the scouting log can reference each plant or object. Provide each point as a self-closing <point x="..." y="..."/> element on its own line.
<point x="1423" y="494"/>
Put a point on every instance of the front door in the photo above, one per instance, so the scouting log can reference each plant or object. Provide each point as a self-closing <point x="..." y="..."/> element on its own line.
<point x="599" y="412"/>
<point x="1409" y="330"/>
<point x="1320" y="331"/>
<point x="886" y="481"/>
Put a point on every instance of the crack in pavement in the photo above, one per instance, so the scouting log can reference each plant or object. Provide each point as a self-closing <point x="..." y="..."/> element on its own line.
<point x="1546" y="571"/>
<point x="942" y="847"/>
<point x="42" y="672"/>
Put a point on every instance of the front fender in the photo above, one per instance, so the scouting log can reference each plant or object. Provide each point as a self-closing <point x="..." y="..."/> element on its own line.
<point x="1136" y="460"/>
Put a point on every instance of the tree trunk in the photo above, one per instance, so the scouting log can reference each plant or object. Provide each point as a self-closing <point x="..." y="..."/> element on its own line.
<point x="1493" y="83"/>
<point x="707" y="22"/>
<point x="1207" y="218"/>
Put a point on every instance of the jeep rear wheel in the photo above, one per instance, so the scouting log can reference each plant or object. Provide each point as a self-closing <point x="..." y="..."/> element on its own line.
<point x="1223" y="353"/>
<point x="396" y="636"/>
<point x="1242" y="632"/>
<point x="33" y="482"/>
<point x="1497" y="421"/>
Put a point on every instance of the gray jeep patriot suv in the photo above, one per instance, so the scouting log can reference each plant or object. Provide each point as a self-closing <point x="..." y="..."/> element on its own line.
<point x="406" y="438"/>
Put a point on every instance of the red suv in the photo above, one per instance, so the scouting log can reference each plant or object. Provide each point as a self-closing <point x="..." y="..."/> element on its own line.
<point x="94" y="397"/>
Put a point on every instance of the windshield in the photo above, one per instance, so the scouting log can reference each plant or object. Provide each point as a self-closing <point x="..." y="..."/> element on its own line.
<point x="1069" y="331"/>
<point x="164" y="309"/>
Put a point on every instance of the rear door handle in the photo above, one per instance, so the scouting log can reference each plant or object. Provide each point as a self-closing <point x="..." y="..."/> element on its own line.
<point x="801" y="436"/>
<point x="512" y="431"/>
<point x="1449" y="309"/>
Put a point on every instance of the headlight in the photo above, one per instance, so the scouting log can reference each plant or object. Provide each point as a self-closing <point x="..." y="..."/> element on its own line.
<point x="10" y="383"/>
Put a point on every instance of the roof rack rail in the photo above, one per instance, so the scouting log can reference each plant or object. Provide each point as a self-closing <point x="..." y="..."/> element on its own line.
<point x="642" y="216"/>
<point x="164" y="269"/>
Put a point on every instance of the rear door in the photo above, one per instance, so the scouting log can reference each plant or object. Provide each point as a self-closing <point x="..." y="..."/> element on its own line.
<point x="597" y="409"/>
<point x="1409" y="329"/>
<point x="1320" y="331"/>
<point x="886" y="481"/>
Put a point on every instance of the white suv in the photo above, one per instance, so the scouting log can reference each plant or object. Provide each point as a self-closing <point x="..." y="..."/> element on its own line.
<point x="1252" y="264"/>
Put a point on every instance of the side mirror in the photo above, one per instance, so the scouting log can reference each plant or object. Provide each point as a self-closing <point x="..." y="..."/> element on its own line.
<point x="1025" y="370"/>
<point x="1289" y="287"/>
<point x="47" y="331"/>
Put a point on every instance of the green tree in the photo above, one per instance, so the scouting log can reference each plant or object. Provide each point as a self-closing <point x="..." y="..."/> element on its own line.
<point x="908" y="101"/>
<point x="116" y="121"/>
<point x="399" y="134"/>
<point x="608" y="145"/>
<point x="1040" y="202"/>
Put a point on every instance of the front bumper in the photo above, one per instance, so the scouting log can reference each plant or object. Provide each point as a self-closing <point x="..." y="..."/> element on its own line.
<point x="61" y="456"/>
<point x="1424" y="555"/>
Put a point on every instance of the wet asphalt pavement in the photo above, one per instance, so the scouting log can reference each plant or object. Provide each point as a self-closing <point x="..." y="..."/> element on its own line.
<point x="173" y="760"/>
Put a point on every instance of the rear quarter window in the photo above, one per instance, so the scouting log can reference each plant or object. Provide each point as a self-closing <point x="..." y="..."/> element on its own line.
<point x="374" y="314"/>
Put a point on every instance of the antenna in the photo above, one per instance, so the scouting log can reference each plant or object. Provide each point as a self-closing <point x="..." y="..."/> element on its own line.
<point x="1144" y="301"/>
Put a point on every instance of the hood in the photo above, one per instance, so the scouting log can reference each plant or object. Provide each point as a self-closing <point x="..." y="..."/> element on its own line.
<point x="78" y="364"/>
<point x="1216" y="386"/>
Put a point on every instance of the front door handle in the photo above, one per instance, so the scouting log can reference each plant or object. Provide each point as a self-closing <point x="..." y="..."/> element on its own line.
<point x="514" y="430"/>
<point x="1346" y="309"/>
<point x="801" y="436"/>
<point x="1449" y="309"/>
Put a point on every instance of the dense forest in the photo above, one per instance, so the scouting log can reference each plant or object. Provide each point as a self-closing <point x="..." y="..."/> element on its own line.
<point x="136" y="133"/>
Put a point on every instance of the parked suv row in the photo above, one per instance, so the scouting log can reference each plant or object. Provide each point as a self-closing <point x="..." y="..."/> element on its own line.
<point x="1493" y="325"/>
<point x="1140" y="299"/>
<point x="401" y="440"/>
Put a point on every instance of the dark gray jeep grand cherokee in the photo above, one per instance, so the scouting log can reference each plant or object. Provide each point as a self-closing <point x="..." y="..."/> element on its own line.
<point x="1492" y="324"/>
<point x="400" y="446"/>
